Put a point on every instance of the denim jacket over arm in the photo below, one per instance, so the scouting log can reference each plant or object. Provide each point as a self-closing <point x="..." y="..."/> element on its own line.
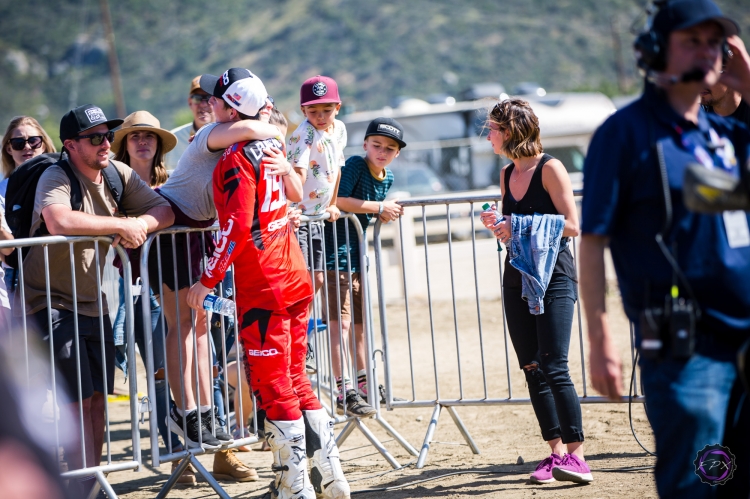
<point x="536" y="241"/>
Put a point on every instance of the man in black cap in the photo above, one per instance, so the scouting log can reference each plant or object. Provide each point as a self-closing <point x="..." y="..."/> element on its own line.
<point x="86" y="134"/>
<point x="683" y="276"/>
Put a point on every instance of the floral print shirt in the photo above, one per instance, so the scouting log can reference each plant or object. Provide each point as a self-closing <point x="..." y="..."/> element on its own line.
<point x="322" y="153"/>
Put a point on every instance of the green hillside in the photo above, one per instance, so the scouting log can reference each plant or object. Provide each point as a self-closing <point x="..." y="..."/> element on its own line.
<point x="53" y="53"/>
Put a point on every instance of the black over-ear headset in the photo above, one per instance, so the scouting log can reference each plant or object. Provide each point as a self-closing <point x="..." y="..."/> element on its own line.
<point x="652" y="47"/>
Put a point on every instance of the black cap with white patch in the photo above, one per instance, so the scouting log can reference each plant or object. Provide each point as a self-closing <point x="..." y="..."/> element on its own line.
<point x="83" y="118"/>
<point x="387" y="127"/>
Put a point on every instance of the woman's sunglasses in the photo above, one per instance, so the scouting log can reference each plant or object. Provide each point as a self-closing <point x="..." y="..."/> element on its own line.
<point x="198" y="98"/>
<point x="97" y="138"/>
<point x="19" y="143"/>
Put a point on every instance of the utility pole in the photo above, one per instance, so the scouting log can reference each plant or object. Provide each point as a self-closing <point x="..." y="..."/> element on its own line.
<point x="622" y="81"/>
<point x="114" y="65"/>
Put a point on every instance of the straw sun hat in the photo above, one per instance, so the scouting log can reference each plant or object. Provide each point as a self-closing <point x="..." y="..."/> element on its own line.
<point x="140" y="121"/>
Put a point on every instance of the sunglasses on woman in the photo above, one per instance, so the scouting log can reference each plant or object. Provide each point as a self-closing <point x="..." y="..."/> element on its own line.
<point x="198" y="98"/>
<point x="97" y="138"/>
<point x="19" y="143"/>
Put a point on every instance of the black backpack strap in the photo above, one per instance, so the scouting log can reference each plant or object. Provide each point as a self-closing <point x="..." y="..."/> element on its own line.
<point x="76" y="197"/>
<point x="114" y="182"/>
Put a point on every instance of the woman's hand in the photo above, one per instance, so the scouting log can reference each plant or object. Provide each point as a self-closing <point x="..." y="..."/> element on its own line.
<point x="275" y="162"/>
<point x="502" y="230"/>
<point x="489" y="219"/>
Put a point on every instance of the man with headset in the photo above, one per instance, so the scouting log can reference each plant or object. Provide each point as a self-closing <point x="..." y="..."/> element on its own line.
<point x="684" y="277"/>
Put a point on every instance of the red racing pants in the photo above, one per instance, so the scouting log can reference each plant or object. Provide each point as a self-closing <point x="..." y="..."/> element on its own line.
<point x="275" y="345"/>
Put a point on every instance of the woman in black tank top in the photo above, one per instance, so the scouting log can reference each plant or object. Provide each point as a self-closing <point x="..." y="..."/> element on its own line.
<point x="538" y="183"/>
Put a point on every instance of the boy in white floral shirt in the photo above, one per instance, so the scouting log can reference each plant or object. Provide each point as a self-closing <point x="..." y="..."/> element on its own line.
<point x="316" y="151"/>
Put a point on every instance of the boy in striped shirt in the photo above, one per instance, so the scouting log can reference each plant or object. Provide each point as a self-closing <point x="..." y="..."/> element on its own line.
<point x="362" y="189"/>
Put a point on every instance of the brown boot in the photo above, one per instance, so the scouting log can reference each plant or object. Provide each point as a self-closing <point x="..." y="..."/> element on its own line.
<point x="187" y="477"/>
<point x="228" y="467"/>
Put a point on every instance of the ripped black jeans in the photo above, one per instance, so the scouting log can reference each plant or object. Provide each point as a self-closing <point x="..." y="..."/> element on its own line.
<point x="542" y="341"/>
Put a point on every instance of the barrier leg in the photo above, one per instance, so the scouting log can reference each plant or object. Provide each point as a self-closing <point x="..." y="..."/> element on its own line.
<point x="376" y="443"/>
<point x="95" y="489"/>
<point x="396" y="436"/>
<point x="460" y="424"/>
<point x="173" y="478"/>
<point x="209" y="478"/>
<point x="345" y="433"/>
<point x="428" y="436"/>
<point x="102" y="481"/>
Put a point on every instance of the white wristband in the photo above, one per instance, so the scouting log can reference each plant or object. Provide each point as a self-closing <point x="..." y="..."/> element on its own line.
<point x="380" y="208"/>
<point x="142" y="222"/>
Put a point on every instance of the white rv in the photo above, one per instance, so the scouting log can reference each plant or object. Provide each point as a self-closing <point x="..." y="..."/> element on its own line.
<point x="452" y="141"/>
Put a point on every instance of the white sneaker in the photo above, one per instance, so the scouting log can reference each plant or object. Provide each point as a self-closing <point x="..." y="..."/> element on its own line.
<point x="326" y="474"/>
<point x="287" y="441"/>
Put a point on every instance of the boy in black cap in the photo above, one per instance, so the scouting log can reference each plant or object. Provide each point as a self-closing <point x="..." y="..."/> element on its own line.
<point x="362" y="190"/>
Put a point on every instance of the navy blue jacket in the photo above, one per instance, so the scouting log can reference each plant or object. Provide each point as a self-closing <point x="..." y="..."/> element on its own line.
<point x="622" y="200"/>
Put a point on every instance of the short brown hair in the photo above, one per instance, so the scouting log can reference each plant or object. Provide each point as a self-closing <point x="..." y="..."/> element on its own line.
<point x="158" y="170"/>
<point x="277" y="118"/>
<point x="8" y="164"/>
<point x="516" y="116"/>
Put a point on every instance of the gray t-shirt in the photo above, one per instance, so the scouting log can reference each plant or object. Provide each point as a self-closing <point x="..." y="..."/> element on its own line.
<point x="183" y="134"/>
<point x="190" y="184"/>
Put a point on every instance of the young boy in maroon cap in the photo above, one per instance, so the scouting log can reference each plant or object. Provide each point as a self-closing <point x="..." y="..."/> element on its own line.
<point x="316" y="151"/>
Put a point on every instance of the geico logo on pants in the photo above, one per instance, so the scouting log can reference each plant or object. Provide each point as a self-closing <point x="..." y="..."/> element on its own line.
<point x="263" y="353"/>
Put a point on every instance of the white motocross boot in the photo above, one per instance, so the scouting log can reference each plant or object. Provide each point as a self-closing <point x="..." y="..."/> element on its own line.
<point x="287" y="441"/>
<point x="326" y="474"/>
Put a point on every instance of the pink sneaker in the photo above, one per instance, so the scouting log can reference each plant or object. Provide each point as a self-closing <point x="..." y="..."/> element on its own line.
<point x="572" y="469"/>
<point x="543" y="472"/>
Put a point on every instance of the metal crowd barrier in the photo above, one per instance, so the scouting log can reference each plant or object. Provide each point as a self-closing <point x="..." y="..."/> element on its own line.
<point x="323" y="380"/>
<point x="187" y="455"/>
<point x="470" y="382"/>
<point x="25" y="340"/>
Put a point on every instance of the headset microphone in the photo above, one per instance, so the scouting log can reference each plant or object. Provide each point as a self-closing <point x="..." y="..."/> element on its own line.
<point x="694" y="75"/>
<point x="690" y="76"/>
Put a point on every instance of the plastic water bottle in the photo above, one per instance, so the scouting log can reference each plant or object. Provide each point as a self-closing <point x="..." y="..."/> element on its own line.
<point x="498" y="216"/>
<point x="222" y="306"/>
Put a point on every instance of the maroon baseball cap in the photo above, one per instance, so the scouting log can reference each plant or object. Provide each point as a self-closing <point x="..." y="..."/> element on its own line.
<point x="319" y="90"/>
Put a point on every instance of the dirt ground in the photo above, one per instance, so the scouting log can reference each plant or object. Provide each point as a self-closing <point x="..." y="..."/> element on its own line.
<point x="503" y="433"/>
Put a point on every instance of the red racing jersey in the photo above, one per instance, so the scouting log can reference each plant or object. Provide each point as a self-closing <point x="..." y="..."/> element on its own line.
<point x="269" y="269"/>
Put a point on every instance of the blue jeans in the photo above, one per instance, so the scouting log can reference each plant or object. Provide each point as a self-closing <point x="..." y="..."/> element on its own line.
<point x="11" y="275"/>
<point x="687" y="404"/>
<point x="157" y="338"/>
<point x="543" y="341"/>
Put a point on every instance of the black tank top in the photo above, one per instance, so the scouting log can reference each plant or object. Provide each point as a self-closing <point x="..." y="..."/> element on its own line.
<point x="536" y="200"/>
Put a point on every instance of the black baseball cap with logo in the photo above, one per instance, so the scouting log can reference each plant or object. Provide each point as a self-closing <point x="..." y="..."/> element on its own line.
<point x="83" y="118"/>
<point x="683" y="14"/>
<point x="387" y="127"/>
